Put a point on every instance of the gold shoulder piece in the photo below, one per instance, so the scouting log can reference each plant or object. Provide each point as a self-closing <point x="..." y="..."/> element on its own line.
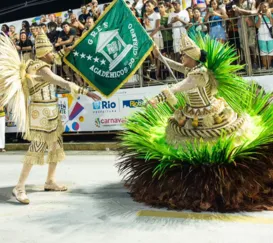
<point x="36" y="65"/>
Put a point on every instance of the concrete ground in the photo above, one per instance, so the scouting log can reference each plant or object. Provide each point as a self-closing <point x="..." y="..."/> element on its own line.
<point x="97" y="209"/>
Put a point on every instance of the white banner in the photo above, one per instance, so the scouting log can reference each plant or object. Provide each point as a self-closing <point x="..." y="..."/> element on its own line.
<point x="10" y="126"/>
<point x="106" y="115"/>
<point x="84" y="115"/>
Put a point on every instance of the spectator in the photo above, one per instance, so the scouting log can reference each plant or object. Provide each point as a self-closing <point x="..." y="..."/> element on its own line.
<point x="69" y="12"/>
<point x="232" y="26"/>
<point x="134" y="12"/>
<point x="144" y="10"/>
<point x="89" y="24"/>
<point x="152" y="25"/>
<point x="24" y="46"/>
<point x="94" y="9"/>
<point x="43" y="26"/>
<point x="189" y="10"/>
<point x="66" y="39"/>
<point x="201" y="5"/>
<point x="59" y="22"/>
<point x="2" y="129"/>
<point x="196" y="24"/>
<point x="84" y="15"/>
<point x="76" y="24"/>
<point x="25" y="28"/>
<point x="53" y="33"/>
<point x="138" y="6"/>
<point x="52" y="29"/>
<point x="43" y="19"/>
<point x="105" y="6"/>
<point x="216" y="15"/>
<point x="247" y="7"/>
<point x="5" y="29"/>
<point x="178" y="20"/>
<point x="128" y="4"/>
<point x="264" y="22"/>
<point x="13" y="35"/>
<point x="52" y="25"/>
<point x="67" y="36"/>
<point x="52" y="18"/>
<point x="270" y="2"/>
<point x="166" y="34"/>
<point x="169" y="6"/>
<point x="34" y="32"/>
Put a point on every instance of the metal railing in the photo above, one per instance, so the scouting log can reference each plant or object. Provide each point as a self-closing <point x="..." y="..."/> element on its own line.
<point x="237" y="34"/>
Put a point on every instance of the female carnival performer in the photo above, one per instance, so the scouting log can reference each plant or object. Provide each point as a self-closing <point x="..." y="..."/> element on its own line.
<point x="208" y="145"/>
<point x="204" y="115"/>
<point x="29" y="91"/>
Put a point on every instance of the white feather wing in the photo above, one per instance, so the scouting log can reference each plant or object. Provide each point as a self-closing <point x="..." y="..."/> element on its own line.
<point x="13" y="82"/>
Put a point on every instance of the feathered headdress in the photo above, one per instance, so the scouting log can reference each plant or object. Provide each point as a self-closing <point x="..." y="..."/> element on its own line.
<point x="14" y="92"/>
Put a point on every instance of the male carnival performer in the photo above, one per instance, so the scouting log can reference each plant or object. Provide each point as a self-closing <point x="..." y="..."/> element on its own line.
<point x="29" y="90"/>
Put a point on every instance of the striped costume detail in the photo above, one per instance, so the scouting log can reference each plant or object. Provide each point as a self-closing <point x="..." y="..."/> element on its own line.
<point x="36" y="151"/>
<point x="200" y="97"/>
<point x="227" y="127"/>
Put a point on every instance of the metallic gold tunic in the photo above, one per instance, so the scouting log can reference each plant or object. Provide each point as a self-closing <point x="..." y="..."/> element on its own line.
<point x="45" y="125"/>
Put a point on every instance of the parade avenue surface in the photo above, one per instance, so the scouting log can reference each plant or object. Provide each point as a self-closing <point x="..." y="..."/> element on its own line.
<point x="97" y="208"/>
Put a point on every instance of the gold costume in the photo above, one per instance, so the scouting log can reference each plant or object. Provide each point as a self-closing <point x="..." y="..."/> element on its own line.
<point x="45" y="125"/>
<point x="204" y="115"/>
<point x="28" y="91"/>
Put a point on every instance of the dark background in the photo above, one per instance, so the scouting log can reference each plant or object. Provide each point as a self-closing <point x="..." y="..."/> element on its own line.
<point x="11" y="10"/>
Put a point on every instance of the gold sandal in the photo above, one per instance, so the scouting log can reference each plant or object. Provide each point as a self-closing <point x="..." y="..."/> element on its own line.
<point x="53" y="187"/>
<point x="20" y="195"/>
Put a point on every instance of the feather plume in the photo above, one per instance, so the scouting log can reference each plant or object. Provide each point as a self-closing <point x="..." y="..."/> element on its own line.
<point x="13" y="83"/>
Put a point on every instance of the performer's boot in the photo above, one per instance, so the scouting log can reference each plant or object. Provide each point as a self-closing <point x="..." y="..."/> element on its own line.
<point x="19" y="191"/>
<point x="50" y="184"/>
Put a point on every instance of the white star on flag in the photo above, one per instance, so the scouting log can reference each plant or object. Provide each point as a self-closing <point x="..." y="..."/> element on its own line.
<point x="89" y="58"/>
<point x="102" y="62"/>
<point x="96" y="59"/>
<point x="76" y="53"/>
<point x="83" y="55"/>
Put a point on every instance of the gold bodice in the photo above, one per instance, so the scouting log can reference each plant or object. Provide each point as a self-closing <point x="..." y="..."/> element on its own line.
<point x="46" y="93"/>
<point x="40" y="90"/>
<point x="199" y="97"/>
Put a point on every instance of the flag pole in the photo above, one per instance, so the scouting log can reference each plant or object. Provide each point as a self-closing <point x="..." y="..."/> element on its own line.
<point x="167" y="65"/>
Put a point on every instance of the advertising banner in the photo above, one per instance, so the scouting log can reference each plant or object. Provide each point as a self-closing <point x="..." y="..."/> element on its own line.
<point x="85" y="115"/>
<point x="82" y="114"/>
<point x="10" y="125"/>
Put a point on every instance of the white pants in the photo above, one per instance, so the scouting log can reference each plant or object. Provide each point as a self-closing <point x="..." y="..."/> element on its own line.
<point x="2" y="132"/>
<point x="176" y="45"/>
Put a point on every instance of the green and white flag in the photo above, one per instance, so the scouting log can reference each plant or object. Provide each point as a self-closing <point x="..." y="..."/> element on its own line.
<point x="112" y="51"/>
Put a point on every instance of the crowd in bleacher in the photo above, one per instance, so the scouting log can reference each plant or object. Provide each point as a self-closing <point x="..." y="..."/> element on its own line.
<point x="165" y="21"/>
